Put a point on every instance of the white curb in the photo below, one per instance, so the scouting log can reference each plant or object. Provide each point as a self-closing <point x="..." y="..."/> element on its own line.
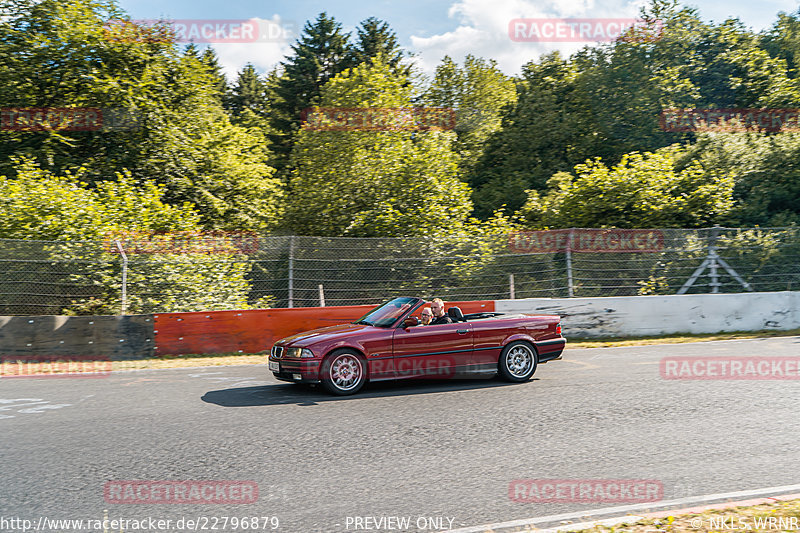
<point x="650" y="507"/>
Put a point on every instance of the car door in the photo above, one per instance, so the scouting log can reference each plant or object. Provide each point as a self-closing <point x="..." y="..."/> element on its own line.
<point x="431" y="351"/>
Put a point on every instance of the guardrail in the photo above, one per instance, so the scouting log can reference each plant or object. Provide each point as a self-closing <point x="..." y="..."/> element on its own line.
<point x="256" y="330"/>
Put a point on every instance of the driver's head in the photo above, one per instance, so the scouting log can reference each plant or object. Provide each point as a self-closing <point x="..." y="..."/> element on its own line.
<point x="426" y="316"/>
<point x="437" y="307"/>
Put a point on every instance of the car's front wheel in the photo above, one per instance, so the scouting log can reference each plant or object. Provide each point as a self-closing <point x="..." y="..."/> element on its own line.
<point x="517" y="362"/>
<point x="344" y="372"/>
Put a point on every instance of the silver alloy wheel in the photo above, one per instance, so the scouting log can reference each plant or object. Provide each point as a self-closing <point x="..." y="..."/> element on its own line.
<point x="519" y="360"/>
<point x="346" y="371"/>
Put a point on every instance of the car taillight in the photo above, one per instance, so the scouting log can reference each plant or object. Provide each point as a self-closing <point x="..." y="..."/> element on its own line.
<point x="558" y="328"/>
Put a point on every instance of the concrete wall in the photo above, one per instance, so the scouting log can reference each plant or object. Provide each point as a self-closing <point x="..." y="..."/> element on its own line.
<point x="657" y="315"/>
<point x="101" y="337"/>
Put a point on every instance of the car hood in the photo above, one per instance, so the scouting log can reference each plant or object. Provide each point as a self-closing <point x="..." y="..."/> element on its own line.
<point x="308" y="338"/>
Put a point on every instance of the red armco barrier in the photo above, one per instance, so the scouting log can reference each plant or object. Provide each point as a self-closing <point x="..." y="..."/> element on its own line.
<point x="256" y="330"/>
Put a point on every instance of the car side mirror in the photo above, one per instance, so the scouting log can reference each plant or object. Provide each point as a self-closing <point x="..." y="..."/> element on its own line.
<point x="411" y="322"/>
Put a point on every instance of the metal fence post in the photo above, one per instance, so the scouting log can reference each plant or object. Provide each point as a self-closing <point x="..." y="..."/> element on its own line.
<point x="321" y="296"/>
<point x="124" y="303"/>
<point x="712" y="260"/>
<point x="511" y="286"/>
<point x="291" y="271"/>
<point x="570" y="289"/>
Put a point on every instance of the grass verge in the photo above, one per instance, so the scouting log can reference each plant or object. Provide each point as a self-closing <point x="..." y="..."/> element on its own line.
<point x="189" y="360"/>
<point x="679" y="339"/>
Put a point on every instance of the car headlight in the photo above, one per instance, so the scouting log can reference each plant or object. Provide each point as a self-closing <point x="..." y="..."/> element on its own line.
<point x="299" y="353"/>
<point x="293" y="352"/>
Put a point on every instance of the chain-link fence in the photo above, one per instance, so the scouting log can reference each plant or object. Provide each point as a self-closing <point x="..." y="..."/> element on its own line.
<point x="147" y="275"/>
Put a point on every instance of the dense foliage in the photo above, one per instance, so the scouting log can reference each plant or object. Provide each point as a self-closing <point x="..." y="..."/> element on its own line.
<point x="571" y="141"/>
<point x="85" y="227"/>
<point x="372" y="183"/>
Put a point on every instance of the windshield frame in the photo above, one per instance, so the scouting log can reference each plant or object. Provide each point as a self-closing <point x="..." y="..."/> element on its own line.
<point x="397" y="317"/>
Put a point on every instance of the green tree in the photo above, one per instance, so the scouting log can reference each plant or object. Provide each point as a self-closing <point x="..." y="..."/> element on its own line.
<point x="376" y="37"/>
<point x="322" y="52"/>
<point x="40" y="205"/>
<point x="550" y="129"/>
<point x="75" y="255"/>
<point x="210" y="59"/>
<point x="218" y="167"/>
<point x="62" y="54"/>
<point x="478" y="92"/>
<point x="782" y="40"/>
<point x="606" y="100"/>
<point x="766" y="173"/>
<point x="686" y="64"/>
<point x="201" y="158"/>
<point x="248" y="92"/>
<point x="644" y="190"/>
<point x="85" y="53"/>
<point x="374" y="183"/>
<point x="250" y="105"/>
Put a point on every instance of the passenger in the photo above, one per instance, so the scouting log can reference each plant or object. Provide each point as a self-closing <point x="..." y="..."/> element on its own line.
<point x="437" y="307"/>
<point x="427" y="316"/>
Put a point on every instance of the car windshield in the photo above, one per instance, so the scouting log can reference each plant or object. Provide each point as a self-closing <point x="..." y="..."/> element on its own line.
<point x="387" y="314"/>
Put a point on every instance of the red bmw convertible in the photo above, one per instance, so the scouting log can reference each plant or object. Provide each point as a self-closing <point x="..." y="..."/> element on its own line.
<point x="389" y="343"/>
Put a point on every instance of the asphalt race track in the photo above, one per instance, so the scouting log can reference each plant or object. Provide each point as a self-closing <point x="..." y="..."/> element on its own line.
<point x="444" y="451"/>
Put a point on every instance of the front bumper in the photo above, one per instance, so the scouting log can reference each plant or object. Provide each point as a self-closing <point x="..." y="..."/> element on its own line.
<point x="297" y="370"/>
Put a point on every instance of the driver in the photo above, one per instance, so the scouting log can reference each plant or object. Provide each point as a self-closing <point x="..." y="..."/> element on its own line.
<point x="426" y="316"/>
<point x="437" y="307"/>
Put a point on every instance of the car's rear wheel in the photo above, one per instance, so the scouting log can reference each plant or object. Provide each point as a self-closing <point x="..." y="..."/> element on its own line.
<point x="517" y="362"/>
<point x="344" y="372"/>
